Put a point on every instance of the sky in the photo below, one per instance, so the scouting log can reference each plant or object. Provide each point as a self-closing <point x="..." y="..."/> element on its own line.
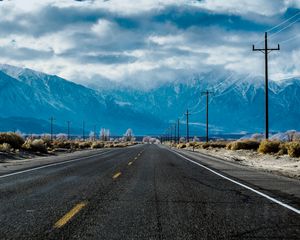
<point x="146" y="43"/>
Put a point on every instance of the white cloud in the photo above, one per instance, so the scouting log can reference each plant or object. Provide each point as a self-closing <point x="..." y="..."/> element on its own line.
<point x="158" y="51"/>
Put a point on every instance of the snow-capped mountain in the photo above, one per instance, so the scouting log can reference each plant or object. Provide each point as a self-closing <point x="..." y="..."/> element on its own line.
<point x="236" y="105"/>
<point x="29" y="94"/>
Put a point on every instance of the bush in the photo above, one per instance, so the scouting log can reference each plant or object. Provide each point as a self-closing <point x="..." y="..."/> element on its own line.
<point x="243" y="144"/>
<point x="293" y="149"/>
<point x="62" y="144"/>
<point x="14" y="140"/>
<point x="181" y="145"/>
<point x="36" y="145"/>
<point x="269" y="147"/>
<point x="84" y="145"/>
<point x="5" y="147"/>
<point x="97" y="145"/>
<point x="219" y="144"/>
<point x="282" y="149"/>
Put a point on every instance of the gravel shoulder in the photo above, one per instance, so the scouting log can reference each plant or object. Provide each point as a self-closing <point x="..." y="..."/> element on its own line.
<point x="280" y="165"/>
<point x="15" y="164"/>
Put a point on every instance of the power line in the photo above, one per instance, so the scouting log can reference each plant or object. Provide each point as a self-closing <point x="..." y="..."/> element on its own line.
<point x="291" y="24"/>
<point x="266" y="51"/>
<point x="292" y="38"/>
<point x="278" y="25"/>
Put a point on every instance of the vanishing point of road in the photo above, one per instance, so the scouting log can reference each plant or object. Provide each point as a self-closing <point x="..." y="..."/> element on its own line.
<point x="147" y="192"/>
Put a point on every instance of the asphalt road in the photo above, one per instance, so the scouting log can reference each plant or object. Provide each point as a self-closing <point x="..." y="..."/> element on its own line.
<point x="144" y="192"/>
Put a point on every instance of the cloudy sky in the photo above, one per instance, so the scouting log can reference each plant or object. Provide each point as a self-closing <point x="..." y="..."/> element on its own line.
<point x="147" y="42"/>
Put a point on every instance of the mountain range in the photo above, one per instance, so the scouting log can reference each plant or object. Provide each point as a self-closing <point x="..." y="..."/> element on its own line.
<point x="236" y="104"/>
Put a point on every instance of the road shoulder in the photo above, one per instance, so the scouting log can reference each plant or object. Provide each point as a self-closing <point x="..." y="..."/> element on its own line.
<point x="278" y="186"/>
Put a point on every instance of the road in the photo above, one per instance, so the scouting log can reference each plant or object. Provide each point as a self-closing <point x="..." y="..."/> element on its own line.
<point x="146" y="192"/>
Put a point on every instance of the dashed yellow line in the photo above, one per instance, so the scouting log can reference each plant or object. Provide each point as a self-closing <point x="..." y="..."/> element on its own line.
<point x="118" y="174"/>
<point x="68" y="216"/>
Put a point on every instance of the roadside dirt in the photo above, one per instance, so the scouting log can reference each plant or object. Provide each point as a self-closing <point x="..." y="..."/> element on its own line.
<point x="281" y="165"/>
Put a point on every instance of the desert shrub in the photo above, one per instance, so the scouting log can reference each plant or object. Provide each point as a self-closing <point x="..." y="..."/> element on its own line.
<point x="269" y="146"/>
<point x="229" y="145"/>
<point x="120" y="144"/>
<point x="47" y="142"/>
<point x="218" y="144"/>
<point x="293" y="149"/>
<point x="181" y="145"/>
<point x="13" y="139"/>
<point x="5" y="147"/>
<point x="62" y="144"/>
<point x="36" y="145"/>
<point x="191" y="144"/>
<point x="243" y="144"/>
<point x="282" y="149"/>
<point x="84" y="145"/>
<point x="109" y="145"/>
<point x="97" y="145"/>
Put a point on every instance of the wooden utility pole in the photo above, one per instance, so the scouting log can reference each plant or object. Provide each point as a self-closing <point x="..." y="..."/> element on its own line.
<point x="83" y="133"/>
<point x="266" y="51"/>
<point x="68" y="123"/>
<point x="187" y="126"/>
<point x="178" y="124"/>
<point x="207" y="112"/>
<point x="51" y="128"/>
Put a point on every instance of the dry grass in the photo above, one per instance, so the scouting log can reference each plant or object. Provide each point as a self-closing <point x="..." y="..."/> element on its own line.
<point x="96" y="145"/>
<point x="35" y="145"/>
<point x="243" y="144"/>
<point x="217" y="144"/>
<point x="267" y="146"/>
<point x="293" y="149"/>
<point x="14" y="140"/>
<point x="181" y="145"/>
<point x="5" y="147"/>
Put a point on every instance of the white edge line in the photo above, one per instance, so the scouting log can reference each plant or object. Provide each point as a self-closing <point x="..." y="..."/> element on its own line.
<point x="243" y="185"/>
<point x="52" y="164"/>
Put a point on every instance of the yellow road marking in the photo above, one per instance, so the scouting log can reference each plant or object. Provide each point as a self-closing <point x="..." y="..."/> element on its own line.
<point x="68" y="216"/>
<point x="117" y="175"/>
<point x="129" y="163"/>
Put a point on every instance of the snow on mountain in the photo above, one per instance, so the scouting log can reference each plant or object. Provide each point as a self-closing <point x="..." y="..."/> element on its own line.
<point x="30" y="94"/>
<point x="237" y="104"/>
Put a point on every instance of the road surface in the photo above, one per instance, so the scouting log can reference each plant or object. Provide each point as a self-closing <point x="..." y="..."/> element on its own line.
<point x="147" y="192"/>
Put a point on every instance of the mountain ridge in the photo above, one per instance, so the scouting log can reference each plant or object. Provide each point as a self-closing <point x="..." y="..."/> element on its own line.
<point x="237" y="104"/>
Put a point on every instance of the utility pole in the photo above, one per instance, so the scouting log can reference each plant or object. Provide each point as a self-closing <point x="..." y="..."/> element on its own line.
<point x="83" y="125"/>
<point x="175" y="137"/>
<point x="207" y="102"/>
<point x="178" y="137"/>
<point x="95" y="126"/>
<point x="51" y="128"/>
<point x="68" y="122"/>
<point x="266" y="51"/>
<point x="187" y="126"/>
